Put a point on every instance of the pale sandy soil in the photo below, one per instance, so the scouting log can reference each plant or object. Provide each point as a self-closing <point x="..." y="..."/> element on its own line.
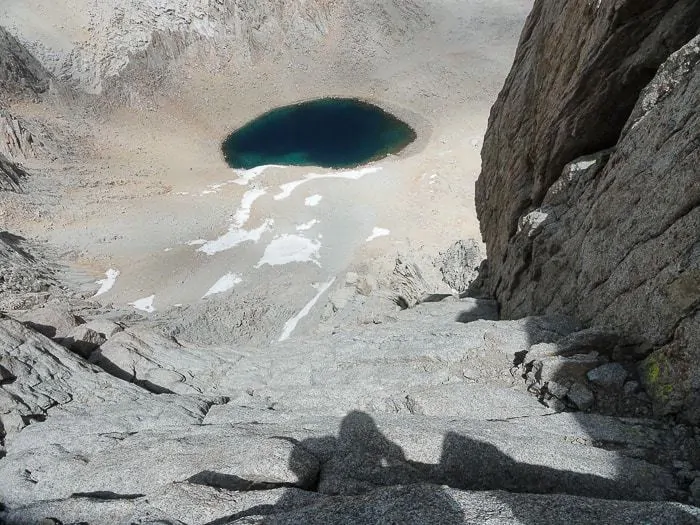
<point x="151" y="179"/>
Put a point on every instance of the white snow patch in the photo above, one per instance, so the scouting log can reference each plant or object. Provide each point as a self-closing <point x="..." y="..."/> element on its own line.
<point x="290" y="325"/>
<point x="224" y="284"/>
<point x="245" y="176"/>
<point x="145" y="304"/>
<point x="313" y="200"/>
<point x="234" y="237"/>
<point x="288" y="248"/>
<point x="243" y="213"/>
<point x="307" y="225"/>
<point x="107" y="283"/>
<point x="378" y="232"/>
<point x="167" y="249"/>
<point x="289" y="187"/>
<point x="197" y="242"/>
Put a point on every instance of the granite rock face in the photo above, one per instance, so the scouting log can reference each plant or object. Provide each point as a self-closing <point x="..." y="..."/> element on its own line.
<point x="589" y="196"/>
<point x="412" y="421"/>
<point x="11" y="175"/>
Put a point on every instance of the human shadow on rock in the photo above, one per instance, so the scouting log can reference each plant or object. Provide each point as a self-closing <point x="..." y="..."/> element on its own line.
<point x="362" y="462"/>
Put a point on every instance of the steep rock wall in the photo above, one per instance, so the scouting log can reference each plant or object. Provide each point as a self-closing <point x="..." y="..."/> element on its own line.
<point x="21" y="75"/>
<point x="589" y="196"/>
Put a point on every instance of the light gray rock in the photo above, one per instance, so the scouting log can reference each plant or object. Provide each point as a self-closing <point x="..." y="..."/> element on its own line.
<point x="408" y="284"/>
<point x="459" y="264"/>
<point x="16" y="141"/>
<point x="619" y="246"/>
<point x="610" y="375"/>
<point x="52" y="321"/>
<point x="26" y="281"/>
<point x="104" y="327"/>
<point x="244" y="426"/>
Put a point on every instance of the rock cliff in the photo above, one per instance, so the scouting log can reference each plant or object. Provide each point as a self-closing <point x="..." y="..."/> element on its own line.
<point x="21" y="74"/>
<point x="589" y="195"/>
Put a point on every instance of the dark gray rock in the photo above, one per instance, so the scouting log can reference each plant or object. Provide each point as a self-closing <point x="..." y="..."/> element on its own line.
<point x="581" y="396"/>
<point x="52" y="321"/>
<point x="695" y="492"/>
<point x="589" y="196"/>
<point x="610" y="375"/>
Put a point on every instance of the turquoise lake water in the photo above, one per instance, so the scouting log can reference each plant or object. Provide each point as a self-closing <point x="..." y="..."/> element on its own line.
<point x="329" y="132"/>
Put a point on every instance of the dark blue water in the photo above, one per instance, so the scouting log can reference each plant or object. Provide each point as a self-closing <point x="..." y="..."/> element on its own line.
<point x="329" y="132"/>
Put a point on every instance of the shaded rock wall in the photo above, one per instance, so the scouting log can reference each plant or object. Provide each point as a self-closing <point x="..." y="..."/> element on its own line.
<point x="10" y="175"/>
<point x="21" y="74"/>
<point x="589" y="193"/>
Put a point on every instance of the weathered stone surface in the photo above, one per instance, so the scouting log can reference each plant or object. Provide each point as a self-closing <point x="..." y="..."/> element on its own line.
<point x="16" y="141"/>
<point x="246" y="426"/>
<point x="459" y="264"/>
<point x="671" y="375"/>
<point x="589" y="195"/>
<point x="610" y="375"/>
<point x="550" y="109"/>
<point x="51" y="321"/>
<point x="104" y="327"/>
<point x="581" y="396"/>
<point x="83" y="340"/>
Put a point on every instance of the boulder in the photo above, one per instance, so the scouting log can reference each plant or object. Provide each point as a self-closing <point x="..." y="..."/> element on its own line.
<point x="581" y="396"/>
<point x="52" y="321"/>
<point x="83" y="340"/>
<point x="459" y="264"/>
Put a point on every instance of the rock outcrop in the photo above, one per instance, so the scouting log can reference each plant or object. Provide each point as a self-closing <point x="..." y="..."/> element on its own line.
<point x="21" y="75"/>
<point x="16" y="141"/>
<point x="589" y="196"/>
<point x="11" y="175"/>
